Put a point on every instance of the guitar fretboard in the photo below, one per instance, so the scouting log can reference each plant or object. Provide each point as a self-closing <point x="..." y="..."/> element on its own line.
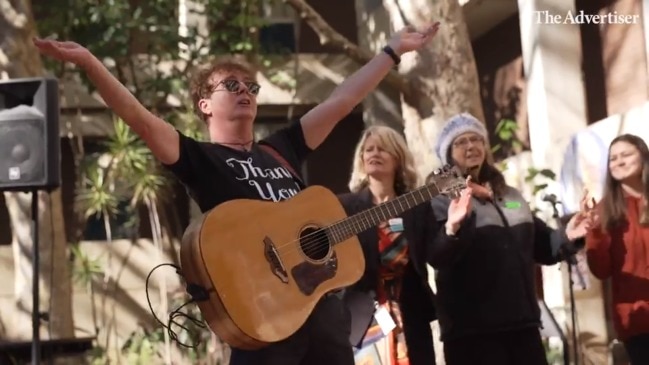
<point x="362" y="221"/>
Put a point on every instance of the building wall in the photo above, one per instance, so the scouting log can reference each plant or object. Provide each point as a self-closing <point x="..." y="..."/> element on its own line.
<point x="615" y="71"/>
<point x="502" y="84"/>
<point x="614" y="66"/>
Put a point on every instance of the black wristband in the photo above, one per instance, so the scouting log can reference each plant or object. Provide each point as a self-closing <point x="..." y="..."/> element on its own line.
<point x="390" y="52"/>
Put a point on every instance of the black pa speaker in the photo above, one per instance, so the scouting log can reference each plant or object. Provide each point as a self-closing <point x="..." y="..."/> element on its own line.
<point x="30" y="150"/>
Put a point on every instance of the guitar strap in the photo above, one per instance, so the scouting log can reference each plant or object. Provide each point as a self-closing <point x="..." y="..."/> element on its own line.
<point x="273" y="152"/>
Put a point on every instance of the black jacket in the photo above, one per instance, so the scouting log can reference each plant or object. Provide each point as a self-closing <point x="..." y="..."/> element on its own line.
<point x="416" y="301"/>
<point x="485" y="273"/>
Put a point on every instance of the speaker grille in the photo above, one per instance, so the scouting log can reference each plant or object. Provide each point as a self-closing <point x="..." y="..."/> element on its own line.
<point x="22" y="147"/>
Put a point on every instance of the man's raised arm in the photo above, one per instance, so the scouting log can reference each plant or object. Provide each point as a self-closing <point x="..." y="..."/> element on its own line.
<point x="159" y="135"/>
<point x="321" y="120"/>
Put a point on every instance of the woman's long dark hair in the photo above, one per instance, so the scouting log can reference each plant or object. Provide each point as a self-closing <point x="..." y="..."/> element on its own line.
<point x="490" y="174"/>
<point x="613" y="204"/>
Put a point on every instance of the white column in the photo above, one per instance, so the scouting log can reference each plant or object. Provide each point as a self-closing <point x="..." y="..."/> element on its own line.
<point x="645" y="30"/>
<point x="555" y="90"/>
<point x="189" y="15"/>
<point x="555" y="100"/>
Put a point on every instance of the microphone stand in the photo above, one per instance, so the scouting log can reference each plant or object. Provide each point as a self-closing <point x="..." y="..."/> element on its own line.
<point x="573" y="312"/>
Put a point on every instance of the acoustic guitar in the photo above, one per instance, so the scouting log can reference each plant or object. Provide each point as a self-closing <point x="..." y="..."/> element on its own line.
<point x="260" y="267"/>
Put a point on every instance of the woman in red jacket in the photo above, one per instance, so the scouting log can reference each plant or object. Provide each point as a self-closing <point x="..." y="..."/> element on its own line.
<point x="618" y="246"/>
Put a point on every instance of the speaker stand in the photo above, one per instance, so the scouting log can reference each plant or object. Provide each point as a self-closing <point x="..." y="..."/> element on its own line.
<point x="36" y="340"/>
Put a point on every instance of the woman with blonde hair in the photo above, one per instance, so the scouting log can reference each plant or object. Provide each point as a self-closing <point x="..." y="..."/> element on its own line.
<point x="616" y="246"/>
<point x="395" y="282"/>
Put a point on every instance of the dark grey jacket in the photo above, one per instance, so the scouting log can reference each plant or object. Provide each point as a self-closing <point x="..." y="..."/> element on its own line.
<point x="485" y="274"/>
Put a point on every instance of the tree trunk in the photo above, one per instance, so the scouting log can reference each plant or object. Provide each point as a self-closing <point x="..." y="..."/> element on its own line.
<point x="18" y="58"/>
<point x="446" y="67"/>
<point x="383" y="106"/>
<point x="441" y="80"/>
<point x="437" y="82"/>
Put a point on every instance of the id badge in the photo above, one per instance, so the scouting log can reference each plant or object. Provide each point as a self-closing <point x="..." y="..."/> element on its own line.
<point x="384" y="320"/>
<point x="396" y="224"/>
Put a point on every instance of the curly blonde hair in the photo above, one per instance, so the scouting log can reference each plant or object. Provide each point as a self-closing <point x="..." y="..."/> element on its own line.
<point x="391" y="141"/>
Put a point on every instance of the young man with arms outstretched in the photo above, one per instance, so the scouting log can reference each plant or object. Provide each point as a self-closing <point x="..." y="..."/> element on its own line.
<point x="232" y="166"/>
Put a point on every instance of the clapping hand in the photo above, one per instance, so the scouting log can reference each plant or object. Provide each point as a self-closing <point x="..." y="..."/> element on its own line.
<point x="588" y="206"/>
<point x="586" y="219"/>
<point x="459" y="207"/>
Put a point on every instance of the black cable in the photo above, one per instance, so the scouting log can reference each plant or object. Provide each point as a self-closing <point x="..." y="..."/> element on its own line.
<point x="196" y="292"/>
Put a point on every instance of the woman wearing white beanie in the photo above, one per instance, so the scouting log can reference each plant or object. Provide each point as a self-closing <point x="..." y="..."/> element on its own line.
<point x="485" y="257"/>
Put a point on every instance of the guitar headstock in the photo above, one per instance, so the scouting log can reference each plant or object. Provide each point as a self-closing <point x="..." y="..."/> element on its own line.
<point x="449" y="181"/>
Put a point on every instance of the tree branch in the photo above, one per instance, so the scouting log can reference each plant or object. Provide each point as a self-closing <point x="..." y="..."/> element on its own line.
<point x="10" y="14"/>
<point x="329" y="36"/>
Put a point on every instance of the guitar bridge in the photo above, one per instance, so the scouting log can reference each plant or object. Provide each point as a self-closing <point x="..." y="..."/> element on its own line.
<point x="276" y="265"/>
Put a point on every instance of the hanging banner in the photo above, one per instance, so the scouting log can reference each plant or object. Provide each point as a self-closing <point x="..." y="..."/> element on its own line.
<point x="586" y="158"/>
<point x="585" y="165"/>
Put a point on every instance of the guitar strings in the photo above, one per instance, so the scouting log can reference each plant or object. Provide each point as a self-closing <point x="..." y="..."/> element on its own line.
<point x="294" y="245"/>
<point x="324" y="241"/>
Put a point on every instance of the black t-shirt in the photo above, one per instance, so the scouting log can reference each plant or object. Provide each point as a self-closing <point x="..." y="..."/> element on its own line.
<point x="214" y="173"/>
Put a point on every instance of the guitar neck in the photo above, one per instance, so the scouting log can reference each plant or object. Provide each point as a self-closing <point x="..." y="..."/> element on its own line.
<point x="364" y="220"/>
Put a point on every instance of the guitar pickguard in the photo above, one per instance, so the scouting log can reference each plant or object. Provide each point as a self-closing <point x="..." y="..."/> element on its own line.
<point x="308" y="276"/>
<point x="276" y="265"/>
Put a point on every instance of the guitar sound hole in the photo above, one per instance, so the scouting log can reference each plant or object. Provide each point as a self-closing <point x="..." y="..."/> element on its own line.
<point x="314" y="243"/>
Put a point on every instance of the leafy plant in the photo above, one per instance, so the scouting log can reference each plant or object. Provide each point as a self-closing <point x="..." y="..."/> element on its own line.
<point x="538" y="179"/>
<point x="149" y="51"/>
<point x="86" y="269"/>
<point x="506" y="132"/>
<point x="553" y="354"/>
<point x="545" y="175"/>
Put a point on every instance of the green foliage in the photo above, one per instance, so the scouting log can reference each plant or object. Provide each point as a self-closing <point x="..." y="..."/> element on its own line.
<point x="506" y="132"/>
<point x="116" y="30"/>
<point x="86" y="268"/>
<point x="554" y="355"/>
<point x="539" y="180"/>
<point x="137" y="173"/>
<point x="546" y="176"/>
<point x="127" y="150"/>
<point x="147" y="50"/>
<point x="97" y="356"/>
<point x="141" y="348"/>
<point x="143" y="345"/>
<point x="139" y="39"/>
<point x="96" y="197"/>
<point x="122" y="175"/>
